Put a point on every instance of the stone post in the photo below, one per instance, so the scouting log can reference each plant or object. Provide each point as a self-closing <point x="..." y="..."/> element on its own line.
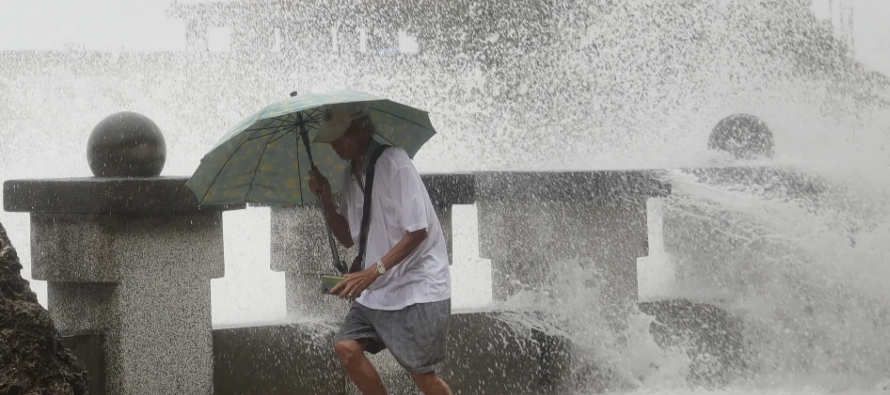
<point x="530" y="224"/>
<point x="130" y="255"/>
<point x="132" y="258"/>
<point x="300" y="249"/>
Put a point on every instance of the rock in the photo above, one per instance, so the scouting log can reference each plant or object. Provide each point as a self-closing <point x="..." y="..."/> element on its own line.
<point x="32" y="358"/>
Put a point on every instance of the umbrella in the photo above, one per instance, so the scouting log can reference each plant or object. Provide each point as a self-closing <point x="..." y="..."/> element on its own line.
<point x="265" y="158"/>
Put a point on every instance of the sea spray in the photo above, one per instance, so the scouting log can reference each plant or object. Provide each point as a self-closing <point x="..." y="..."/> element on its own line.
<point x="806" y="274"/>
<point x="606" y="354"/>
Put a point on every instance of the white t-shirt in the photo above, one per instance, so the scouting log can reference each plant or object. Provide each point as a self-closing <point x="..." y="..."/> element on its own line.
<point x="400" y="204"/>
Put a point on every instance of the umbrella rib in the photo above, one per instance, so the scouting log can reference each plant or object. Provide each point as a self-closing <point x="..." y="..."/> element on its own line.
<point x="283" y="124"/>
<point x="314" y="114"/>
<point x="256" y="170"/>
<point x="404" y="119"/>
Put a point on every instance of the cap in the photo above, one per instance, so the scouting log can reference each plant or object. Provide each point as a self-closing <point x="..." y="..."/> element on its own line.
<point x="336" y="118"/>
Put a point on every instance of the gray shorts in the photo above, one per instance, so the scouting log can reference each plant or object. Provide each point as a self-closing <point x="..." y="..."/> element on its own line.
<point x="416" y="336"/>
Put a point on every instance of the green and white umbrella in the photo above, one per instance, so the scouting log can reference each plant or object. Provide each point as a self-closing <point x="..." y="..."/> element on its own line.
<point x="265" y="158"/>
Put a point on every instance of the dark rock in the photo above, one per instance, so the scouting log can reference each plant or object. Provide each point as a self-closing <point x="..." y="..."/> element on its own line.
<point x="126" y="144"/>
<point x="32" y="358"/>
<point x="712" y="336"/>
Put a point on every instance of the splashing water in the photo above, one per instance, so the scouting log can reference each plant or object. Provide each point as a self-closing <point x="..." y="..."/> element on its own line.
<point x="604" y="356"/>
<point x="581" y="85"/>
<point x="806" y="274"/>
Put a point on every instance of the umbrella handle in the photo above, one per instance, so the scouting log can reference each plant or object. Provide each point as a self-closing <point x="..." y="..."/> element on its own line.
<point x="335" y="255"/>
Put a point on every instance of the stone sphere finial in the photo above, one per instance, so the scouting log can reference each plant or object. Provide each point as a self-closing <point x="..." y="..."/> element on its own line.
<point x="743" y="135"/>
<point x="126" y="144"/>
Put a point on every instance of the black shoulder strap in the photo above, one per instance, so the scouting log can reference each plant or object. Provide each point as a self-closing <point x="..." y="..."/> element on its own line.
<point x="359" y="261"/>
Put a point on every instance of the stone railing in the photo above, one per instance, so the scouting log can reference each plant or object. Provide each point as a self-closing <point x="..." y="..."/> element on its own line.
<point x="527" y="221"/>
<point x="129" y="261"/>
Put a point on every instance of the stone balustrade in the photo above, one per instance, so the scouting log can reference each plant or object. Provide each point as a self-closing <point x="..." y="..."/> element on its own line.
<point x="128" y="263"/>
<point x="129" y="260"/>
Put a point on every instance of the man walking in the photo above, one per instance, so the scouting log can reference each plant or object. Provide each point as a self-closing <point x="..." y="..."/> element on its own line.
<point x="402" y="292"/>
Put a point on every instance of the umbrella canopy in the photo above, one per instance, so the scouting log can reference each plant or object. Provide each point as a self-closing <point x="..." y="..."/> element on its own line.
<point x="264" y="158"/>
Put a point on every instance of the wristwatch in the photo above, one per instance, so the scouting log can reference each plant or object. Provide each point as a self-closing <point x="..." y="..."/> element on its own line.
<point x="381" y="270"/>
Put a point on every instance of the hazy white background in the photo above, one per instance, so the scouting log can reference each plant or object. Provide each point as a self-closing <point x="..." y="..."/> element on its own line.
<point x="142" y="25"/>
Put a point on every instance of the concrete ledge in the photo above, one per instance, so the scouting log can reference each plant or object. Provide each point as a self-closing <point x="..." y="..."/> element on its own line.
<point x="485" y="357"/>
<point x="278" y="359"/>
<point x="141" y="196"/>
<point x="570" y="186"/>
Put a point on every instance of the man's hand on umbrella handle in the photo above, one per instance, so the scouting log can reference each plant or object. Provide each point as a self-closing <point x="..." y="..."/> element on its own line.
<point x="355" y="283"/>
<point x="319" y="184"/>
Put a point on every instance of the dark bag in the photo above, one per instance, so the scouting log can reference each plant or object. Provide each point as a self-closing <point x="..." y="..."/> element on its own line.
<point x="358" y="262"/>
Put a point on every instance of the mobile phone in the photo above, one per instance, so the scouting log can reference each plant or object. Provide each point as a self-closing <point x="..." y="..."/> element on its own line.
<point x="329" y="282"/>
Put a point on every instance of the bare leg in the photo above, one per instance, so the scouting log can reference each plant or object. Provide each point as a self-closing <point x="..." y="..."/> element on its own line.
<point x="431" y="384"/>
<point x="359" y="368"/>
